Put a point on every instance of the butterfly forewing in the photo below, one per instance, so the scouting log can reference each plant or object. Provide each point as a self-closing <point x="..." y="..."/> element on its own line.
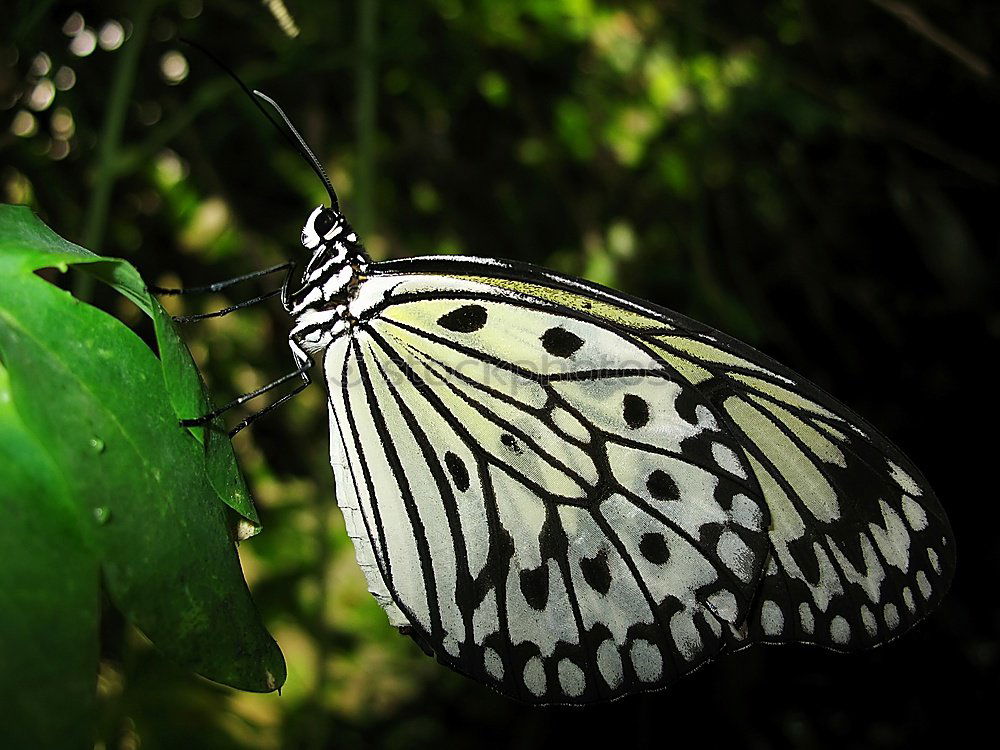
<point x="552" y="510"/>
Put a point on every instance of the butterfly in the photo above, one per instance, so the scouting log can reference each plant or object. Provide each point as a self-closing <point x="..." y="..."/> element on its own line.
<point x="572" y="495"/>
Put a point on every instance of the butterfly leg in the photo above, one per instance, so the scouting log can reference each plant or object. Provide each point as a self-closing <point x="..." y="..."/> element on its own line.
<point x="219" y="285"/>
<point x="303" y="364"/>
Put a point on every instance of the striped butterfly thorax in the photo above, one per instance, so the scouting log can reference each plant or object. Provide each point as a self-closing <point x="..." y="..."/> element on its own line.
<point x="573" y="495"/>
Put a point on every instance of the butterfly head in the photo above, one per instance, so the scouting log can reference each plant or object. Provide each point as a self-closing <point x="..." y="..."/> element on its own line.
<point x="323" y="227"/>
<point x="336" y="266"/>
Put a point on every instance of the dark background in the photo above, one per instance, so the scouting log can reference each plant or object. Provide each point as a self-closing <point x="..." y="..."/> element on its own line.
<point x="819" y="179"/>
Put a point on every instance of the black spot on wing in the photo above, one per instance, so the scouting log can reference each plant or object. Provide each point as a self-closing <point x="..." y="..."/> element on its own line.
<point x="561" y="343"/>
<point x="662" y="486"/>
<point x="635" y="410"/>
<point x="596" y="572"/>
<point x="464" y="319"/>
<point x="510" y="442"/>
<point x="459" y="474"/>
<point x="535" y="586"/>
<point x="654" y="548"/>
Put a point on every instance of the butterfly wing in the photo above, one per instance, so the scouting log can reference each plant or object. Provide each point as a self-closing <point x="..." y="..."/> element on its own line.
<point x="571" y="494"/>
<point x="547" y="505"/>
<point x="861" y="548"/>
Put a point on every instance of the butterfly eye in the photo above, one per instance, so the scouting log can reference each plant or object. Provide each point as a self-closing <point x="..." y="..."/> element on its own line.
<point x="324" y="223"/>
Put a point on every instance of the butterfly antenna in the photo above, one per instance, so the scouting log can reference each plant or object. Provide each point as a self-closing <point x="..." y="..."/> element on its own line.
<point x="304" y="149"/>
<point x="297" y="141"/>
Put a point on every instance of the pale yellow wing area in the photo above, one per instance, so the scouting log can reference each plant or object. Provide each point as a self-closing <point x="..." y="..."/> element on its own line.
<point x="860" y="547"/>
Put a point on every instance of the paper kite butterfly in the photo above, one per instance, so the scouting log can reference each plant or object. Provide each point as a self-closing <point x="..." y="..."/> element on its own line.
<point x="572" y="495"/>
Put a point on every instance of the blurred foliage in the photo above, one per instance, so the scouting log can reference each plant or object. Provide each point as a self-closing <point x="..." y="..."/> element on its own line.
<point x="819" y="179"/>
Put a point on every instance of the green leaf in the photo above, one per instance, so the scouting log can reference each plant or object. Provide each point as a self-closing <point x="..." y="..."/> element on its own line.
<point x="138" y="489"/>
<point x="48" y="597"/>
<point x="26" y="245"/>
<point x="189" y="397"/>
<point x="90" y="388"/>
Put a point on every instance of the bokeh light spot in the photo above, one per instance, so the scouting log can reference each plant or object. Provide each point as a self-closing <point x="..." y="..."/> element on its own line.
<point x="169" y="168"/>
<point x="62" y="123"/>
<point x="59" y="149"/>
<point x="17" y="187"/>
<point x="65" y="78"/>
<point x="73" y="25"/>
<point x="190" y="8"/>
<point x="42" y="95"/>
<point x="24" y="124"/>
<point x="83" y="43"/>
<point x="111" y="36"/>
<point x="41" y="64"/>
<point x="173" y="67"/>
<point x="210" y="220"/>
<point x="621" y="239"/>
